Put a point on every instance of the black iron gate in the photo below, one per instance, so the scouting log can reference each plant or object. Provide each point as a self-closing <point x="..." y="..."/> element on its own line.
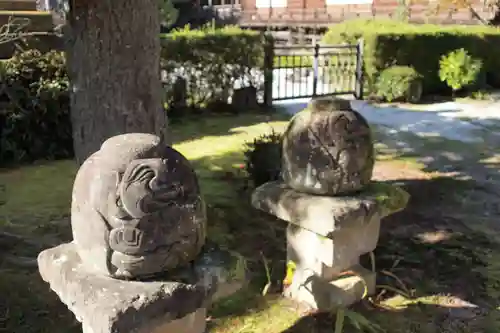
<point x="321" y="70"/>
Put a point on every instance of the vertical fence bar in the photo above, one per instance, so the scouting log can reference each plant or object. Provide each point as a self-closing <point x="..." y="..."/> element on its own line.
<point x="315" y="69"/>
<point x="289" y="67"/>
<point x="359" y="69"/>
<point x="268" y="70"/>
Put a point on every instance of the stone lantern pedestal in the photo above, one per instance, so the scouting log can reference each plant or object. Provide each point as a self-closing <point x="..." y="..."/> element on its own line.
<point x="326" y="236"/>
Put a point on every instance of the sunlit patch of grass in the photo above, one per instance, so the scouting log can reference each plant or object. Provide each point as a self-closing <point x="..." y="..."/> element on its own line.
<point x="216" y="158"/>
<point x="273" y="315"/>
<point x="36" y="193"/>
<point x="226" y="142"/>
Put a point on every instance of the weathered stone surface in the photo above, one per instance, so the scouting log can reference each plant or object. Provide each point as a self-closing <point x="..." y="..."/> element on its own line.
<point x="328" y="257"/>
<point x="328" y="149"/>
<point x="136" y="208"/>
<point x="220" y="271"/>
<point x="328" y="295"/>
<point x="326" y="214"/>
<point x="104" y="304"/>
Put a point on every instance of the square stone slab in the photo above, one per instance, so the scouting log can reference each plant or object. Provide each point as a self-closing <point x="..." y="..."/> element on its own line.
<point x="324" y="215"/>
<point x="106" y="305"/>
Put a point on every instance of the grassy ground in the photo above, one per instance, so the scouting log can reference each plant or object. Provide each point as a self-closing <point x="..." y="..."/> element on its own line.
<point x="444" y="248"/>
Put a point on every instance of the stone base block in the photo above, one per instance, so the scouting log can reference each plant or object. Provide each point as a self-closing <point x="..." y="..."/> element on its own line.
<point x="326" y="295"/>
<point x="329" y="256"/>
<point x="192" y="323"/>
<point x="106" y="305"/>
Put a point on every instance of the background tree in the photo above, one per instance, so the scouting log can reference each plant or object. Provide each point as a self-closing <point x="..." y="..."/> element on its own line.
<point x="113" y="56"/>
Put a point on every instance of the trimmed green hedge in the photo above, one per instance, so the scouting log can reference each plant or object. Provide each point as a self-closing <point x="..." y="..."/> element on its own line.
<point x="202" y="57"/>
<point x="388" y="43"/>
<point x="34" y="108"/>
<point x="34" y="95"/>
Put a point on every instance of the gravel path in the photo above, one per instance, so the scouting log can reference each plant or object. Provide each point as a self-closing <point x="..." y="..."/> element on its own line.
<point x="462" y="137"/>
<point x="452" y="120"/>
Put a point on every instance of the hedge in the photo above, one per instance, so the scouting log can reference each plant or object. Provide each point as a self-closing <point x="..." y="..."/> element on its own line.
<point x="388" y="43"/>
<point x="34" y="87"/>
<point x="34" y="108"/>
<point x="212" y="61"/>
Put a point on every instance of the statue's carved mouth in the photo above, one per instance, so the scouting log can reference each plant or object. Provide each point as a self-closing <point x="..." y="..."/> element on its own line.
<point x="128" y="240"/>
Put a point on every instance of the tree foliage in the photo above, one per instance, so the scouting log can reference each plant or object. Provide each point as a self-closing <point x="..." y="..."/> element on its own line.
<point x="168" y="12"/>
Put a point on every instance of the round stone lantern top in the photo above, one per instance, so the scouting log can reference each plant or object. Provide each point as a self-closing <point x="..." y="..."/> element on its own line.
<point x="328" y="149"/>
<point x="136" y="208"/>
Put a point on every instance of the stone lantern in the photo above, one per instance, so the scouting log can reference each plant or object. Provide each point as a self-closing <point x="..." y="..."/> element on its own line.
<point x="333" y="208"/>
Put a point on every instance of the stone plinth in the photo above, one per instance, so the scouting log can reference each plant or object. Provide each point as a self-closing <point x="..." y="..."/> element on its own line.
<point x="107" y="305"/>
<point x="327" y="235"/>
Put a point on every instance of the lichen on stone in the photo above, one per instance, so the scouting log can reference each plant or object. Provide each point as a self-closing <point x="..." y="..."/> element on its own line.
<point x="393" y="198"/>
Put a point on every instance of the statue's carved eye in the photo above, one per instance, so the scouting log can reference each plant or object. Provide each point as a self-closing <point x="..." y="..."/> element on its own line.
<point x="142" y="173"/>
<point x="119" y="202"/>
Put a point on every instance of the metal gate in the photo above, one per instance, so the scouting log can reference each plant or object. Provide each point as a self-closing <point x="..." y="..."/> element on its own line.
<point x="308" y="71"/>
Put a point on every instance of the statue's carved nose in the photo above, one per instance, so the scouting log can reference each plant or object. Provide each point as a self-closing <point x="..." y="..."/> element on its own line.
<point x="127" y="240"/>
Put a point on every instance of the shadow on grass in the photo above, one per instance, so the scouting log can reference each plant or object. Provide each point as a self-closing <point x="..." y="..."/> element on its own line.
<point x="414" y="318"/>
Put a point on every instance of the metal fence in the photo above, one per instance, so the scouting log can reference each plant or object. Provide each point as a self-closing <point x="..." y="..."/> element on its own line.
<point x="320" y="70"/>
<point x="288" y="72"/>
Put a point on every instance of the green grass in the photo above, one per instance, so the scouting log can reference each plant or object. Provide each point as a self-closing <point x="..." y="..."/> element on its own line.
<point x="36" y="207"/>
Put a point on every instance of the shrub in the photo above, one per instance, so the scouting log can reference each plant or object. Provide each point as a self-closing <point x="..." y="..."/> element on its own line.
<point x="213" y="61"/>
<point x="263" y="158"/>
<point x="389" y="43"/>
<point x="458" y="69"/>
<point x="399" y="82"/>
<point x="34" y="112"/>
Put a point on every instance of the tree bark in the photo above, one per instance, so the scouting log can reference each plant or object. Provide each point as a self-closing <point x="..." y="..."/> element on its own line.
<point x="113" y="56"/>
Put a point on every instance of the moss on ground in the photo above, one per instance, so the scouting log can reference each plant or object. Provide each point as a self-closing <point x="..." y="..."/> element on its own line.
<point x="436" y="256"/>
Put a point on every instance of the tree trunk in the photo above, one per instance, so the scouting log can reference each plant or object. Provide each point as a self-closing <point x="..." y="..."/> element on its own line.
<point x="113" y="56"/>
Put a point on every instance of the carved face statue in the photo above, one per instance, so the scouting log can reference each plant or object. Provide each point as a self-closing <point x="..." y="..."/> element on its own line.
<point x="136" y="208"/>
<point x="328" y="152"/>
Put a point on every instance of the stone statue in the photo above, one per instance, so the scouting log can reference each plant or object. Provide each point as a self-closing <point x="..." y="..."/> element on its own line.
<point x="136" y="209"/>
<point x="328" y="149"/>
<point x="138" y="261"/>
